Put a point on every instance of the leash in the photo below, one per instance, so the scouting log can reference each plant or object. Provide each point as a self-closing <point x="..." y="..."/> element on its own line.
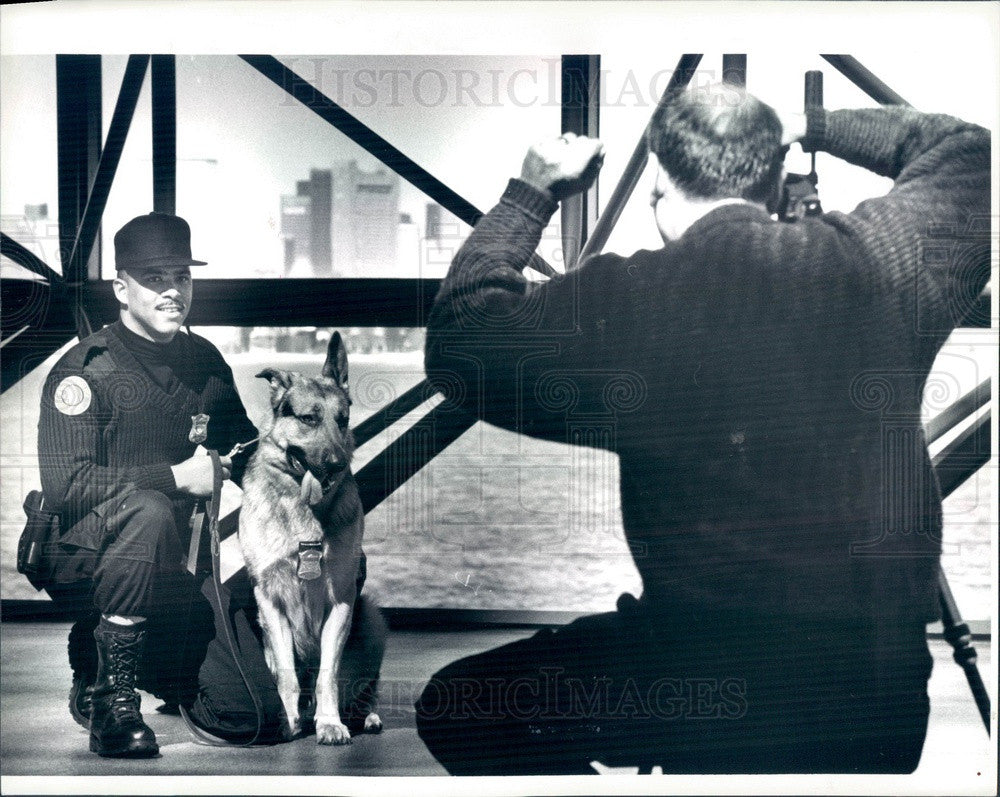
<point x="239" y="448"/>
<point x="212" y="506"/>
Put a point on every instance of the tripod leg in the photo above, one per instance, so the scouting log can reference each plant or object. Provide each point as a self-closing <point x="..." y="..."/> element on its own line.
<point x="957" y="632"/>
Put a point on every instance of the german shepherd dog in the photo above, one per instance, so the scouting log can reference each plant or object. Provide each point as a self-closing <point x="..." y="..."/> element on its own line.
<point x="300" y="530"/>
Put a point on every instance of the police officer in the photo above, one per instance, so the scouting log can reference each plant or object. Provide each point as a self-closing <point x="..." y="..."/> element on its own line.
<point x="122" y="415"/>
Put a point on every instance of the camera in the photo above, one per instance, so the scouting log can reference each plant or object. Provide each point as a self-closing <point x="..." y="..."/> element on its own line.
<point x="799" y="197"/>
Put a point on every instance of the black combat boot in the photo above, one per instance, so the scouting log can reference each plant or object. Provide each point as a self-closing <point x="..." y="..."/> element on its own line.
<point x="116" y="726"/>
<point x="83" y="662"/>
<point x="81" y="698"/>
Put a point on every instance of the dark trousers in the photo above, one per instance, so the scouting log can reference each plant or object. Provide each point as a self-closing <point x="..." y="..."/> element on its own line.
<point x="132" y="556"/>
<point x="692" y="693"/>
<point x="188" y="657"/>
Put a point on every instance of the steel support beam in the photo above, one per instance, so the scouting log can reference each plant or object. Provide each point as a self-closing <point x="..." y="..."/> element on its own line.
<point x="294" y="302"/>
<point x="25" y="257"/>
<point x="410" y="452"/>
<point x="163" y="82"/>
<point x="951" y="416"/>
<point x="78" y="131"/>
<point x="404" y="404"/>
<point x="864" y="79"/>
<point x="734" y="69"/>
<point x="963" y="456"/>
<point x="581" y="102"/>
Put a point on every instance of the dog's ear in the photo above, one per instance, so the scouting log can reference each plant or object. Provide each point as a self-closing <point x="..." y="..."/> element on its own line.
<point x="335" y="367"/>
<point x="280" y="382"/>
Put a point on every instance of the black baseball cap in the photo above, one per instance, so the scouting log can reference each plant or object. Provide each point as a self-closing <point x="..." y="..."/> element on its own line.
<point x="155" y="240"/>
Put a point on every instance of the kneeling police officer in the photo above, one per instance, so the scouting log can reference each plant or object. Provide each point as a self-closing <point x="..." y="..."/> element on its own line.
<point x="122" y="415"/>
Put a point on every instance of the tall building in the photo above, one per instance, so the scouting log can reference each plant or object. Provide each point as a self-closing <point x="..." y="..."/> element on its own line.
<point x="342" y="222"/>
<point x="365" y="213"/>
<point x="442" y="226"/>
<point x="320" y="182"/>
<point x="296" y="226"/>
<point x="444" y="233"/>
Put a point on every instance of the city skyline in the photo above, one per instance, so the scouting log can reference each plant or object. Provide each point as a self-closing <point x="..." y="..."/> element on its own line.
<point x="235" y="157"/>
<point x="348" y="221"/>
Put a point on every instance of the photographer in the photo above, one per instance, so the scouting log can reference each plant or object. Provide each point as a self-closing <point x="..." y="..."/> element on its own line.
<point x="788" y="553"/>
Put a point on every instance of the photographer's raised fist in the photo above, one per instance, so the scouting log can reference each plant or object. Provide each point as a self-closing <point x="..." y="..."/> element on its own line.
<point x="563" y="166"/>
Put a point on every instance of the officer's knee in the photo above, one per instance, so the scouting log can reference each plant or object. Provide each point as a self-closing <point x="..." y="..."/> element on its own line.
<point x="370" y="628"/>
<point x="151" y="505"/>
<point x="145" y="522"/>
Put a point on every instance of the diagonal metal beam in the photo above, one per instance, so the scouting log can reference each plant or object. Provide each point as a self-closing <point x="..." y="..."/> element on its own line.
<point x="410" y="452"/>
<point x="392" y="412"/>
<point x="963" y="456"/>
<point x="864" y="79"/>
<point x="121" y="120"/>
<point x="683" y="73"/>
<point x="945" y="421"/>
<point x="362" y="135"/>
<point x="25" y="257"/>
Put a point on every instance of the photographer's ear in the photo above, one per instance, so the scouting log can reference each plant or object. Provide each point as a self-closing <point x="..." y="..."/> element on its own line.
<point x="777" y="198"/>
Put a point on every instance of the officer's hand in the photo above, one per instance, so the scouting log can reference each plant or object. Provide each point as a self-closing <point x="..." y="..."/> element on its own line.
<point x="194" y="476"/>
<point x="793" y="127"/>
<point x="563" y="166"/>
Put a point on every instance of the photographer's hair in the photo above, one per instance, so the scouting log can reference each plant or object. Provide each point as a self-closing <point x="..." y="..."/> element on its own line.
<point x="718" y="142"/>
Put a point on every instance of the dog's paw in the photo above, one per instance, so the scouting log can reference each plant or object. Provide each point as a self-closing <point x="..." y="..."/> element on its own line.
<point x="331" y="731"/>
<point x="292" y="729"/>
<point x="373" y="723"/>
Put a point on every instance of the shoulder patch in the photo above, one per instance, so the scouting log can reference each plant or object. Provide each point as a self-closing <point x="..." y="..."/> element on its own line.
<point x="73" y="396"/>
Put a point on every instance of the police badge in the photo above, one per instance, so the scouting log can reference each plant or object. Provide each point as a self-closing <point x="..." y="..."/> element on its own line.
<point x="199" y="428"/>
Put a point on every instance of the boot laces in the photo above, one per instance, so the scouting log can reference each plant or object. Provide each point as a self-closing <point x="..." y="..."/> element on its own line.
<point x="125" y="705"/>
<point x="125" y="655"/>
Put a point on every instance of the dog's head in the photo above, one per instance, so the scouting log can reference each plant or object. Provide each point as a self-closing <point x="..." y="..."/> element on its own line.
<point x="309" y="427"/>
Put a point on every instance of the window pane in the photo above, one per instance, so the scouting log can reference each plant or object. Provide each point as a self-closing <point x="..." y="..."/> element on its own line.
<point x="499" y="521"/>
<point x="131" y="192"/>
<point x="272" y="190"/>
<point x="966" y="359"/>
<point x="29" y="185"/>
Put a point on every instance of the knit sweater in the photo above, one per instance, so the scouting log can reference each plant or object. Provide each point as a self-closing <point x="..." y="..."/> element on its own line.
<point x="110" y="425"/>
<point x="761" y="382"/>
